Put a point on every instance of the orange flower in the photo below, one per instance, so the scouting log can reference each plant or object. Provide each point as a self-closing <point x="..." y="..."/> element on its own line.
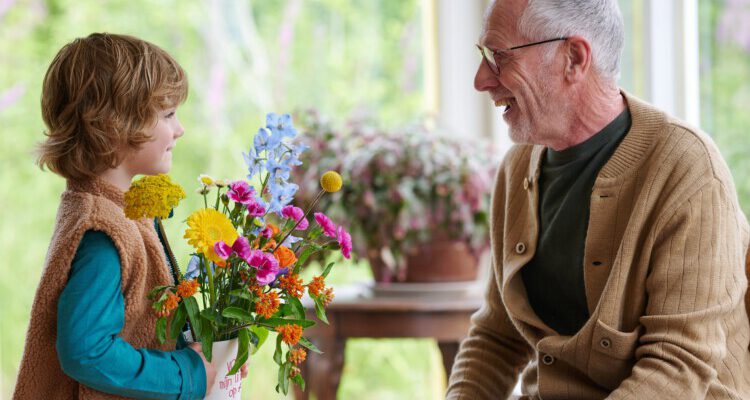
<point x="268" y="304"/>
<point x="294" y="371"/>
<point x="292" y="283"/>
<point x="297" y="356"/>
<point x="187" y="288"/>
<point x="285" y="256"/>
<point x="328" y="298"/>
<point x="290" y="333"/>
<point x="317" y="286"/>
<point x="274" y="229"/>
<point x="269" y="244"/>
<point x="169" y="304"/>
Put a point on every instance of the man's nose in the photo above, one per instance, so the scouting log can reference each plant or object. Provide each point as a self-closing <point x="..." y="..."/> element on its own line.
<point x="484" y="79"/>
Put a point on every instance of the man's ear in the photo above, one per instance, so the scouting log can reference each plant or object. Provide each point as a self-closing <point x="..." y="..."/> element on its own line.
<point x="577" y="53"/>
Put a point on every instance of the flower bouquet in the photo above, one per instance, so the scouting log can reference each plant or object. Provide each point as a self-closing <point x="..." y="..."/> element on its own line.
<point x="243" y="280"/>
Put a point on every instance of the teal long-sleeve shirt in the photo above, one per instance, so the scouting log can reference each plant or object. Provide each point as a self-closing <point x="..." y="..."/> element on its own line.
<point x="91" y="314"/>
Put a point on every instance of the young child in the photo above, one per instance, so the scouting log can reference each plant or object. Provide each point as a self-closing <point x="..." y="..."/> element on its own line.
<point x="109" y="103"/>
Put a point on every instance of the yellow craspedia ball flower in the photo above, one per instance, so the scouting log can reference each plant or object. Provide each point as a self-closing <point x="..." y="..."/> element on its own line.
<point x="152" y="196"/>
<point x="331" y="181"/>
<point x="206" y="227"/>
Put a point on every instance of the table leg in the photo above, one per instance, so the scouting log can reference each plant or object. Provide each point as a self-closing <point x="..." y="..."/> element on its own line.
<point x="449" y="351"/>
<point x="322" y="372"/>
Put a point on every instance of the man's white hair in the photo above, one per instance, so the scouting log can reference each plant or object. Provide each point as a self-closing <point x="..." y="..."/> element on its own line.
<point x="599" y="21"/>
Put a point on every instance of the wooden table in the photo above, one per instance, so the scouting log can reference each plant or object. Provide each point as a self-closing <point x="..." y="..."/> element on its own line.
<point x="357" y="312"/>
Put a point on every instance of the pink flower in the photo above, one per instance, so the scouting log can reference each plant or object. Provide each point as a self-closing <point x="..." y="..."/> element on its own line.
<point x="242" y="247"/>
<point x="329" y="228"/>
<point x="296" y="214"/>
<point x="266" y="264"/>
<point x="345" y="241"/>
<point x="222" y="250"/>
<point x="255" y="209"/>
<point x="241" y="192"/>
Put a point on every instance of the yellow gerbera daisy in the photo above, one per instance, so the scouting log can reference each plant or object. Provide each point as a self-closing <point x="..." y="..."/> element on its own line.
<point x="152" y="196"/>
<point x="205" y="228"/>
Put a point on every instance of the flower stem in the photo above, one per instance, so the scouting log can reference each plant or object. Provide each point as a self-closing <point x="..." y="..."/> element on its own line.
<point x="212" y="296"/>
<point x="315" y="201"/>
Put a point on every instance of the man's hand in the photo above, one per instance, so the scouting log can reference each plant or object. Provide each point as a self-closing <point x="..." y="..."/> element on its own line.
<point x="210" y="370"/>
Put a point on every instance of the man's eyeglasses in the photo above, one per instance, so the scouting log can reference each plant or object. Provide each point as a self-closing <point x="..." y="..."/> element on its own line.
<point x="494" y="58"/>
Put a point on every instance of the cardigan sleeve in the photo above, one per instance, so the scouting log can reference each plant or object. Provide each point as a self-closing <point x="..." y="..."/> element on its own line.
<point x="492" y="356"/>
<point x="494" y="353"/>
<point x="696" y="281"/>
<point x="91" y="314"/>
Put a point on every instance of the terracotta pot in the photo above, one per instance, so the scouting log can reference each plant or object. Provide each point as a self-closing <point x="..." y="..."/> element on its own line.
<point x="442" y="260"/>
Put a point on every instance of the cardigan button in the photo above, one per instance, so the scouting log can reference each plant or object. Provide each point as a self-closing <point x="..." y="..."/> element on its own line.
<point x="605" y="343"/>
<point x="520" y="248"/>
<point x="548" y="359"/>
<point x="527" y="182"/>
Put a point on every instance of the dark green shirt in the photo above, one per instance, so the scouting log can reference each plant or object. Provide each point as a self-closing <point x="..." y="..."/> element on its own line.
<point x="554" y="277"/>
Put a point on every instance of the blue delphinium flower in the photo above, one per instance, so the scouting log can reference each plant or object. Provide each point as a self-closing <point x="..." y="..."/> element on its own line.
<point x="280" y="125"/>
<point x="192" y="267"/>
<point x="277" y="170"/>
<point x="281" y="195"/>
<point x="266" y="140"/>
<point x="254" y="163"/>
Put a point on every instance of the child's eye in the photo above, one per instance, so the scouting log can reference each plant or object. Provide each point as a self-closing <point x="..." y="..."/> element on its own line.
<point x="170" y="115"/>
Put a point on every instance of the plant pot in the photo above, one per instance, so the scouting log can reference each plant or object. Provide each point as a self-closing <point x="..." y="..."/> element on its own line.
<point x="223" y="356"/>
<point x="442" y="260"/>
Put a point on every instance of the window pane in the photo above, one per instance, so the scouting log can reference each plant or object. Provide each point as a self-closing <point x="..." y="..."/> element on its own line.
<point x="725" y="84"/>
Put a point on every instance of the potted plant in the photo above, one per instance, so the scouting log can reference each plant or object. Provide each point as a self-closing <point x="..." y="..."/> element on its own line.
<point x="418" y="198"/>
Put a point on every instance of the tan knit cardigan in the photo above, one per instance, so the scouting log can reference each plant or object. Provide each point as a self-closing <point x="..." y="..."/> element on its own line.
<point x="664" y="273"/>
<point x="93" y="205"/>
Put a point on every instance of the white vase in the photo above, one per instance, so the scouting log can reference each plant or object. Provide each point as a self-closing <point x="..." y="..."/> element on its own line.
<point x="225" y="387"/>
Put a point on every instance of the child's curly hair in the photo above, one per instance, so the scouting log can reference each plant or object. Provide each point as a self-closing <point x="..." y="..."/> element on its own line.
<point x="100" y="94"/>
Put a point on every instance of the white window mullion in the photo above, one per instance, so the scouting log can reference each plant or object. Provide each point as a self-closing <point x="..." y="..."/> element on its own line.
<point x="671" y="54"/>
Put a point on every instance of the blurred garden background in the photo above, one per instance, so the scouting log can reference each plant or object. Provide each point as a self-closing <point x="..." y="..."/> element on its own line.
<point x="383" y="60"/>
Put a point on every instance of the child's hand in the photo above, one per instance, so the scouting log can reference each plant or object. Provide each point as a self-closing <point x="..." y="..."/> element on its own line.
<point x="210" y="370"/>
<point x="243" y="370"/>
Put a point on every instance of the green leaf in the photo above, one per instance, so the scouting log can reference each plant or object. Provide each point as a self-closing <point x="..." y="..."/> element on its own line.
<point x="261" y="333"/>
<point x="303" y="258"/>
<point x="304" y="323"/>
<point x="207" y="343"/>
<point x="320" y="309"/>
<point x="277" y="352"/>
<point x="178" y="321"/>
<point x="209" y="314"/>
<point x="327" y="270"/>
<point x="191" y="305"/>
<point x="242" y="351"/>
<point x="299" y="381"/>
<point x="237" y="313"/>
<point x="285" y="381"/>
<point x="285" y="310"/>
<point x="242" y="293"/>
<point x="307" y="343"/>
<point x="298" y="310"/>
<point x="161" y="329"/>
<point x="288" y="225"/>
<point x="152" y="294"/>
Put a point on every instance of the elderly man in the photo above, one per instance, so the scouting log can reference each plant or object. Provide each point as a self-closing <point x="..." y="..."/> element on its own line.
<point x="617" y="240"/>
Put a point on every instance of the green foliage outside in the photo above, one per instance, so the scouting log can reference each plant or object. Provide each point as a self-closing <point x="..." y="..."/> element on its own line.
<point x="243" y="59"/>
<point x="725" y="85"/>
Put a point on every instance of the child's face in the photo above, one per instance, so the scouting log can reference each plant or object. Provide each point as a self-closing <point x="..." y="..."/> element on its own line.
<point x="155" y="156"/>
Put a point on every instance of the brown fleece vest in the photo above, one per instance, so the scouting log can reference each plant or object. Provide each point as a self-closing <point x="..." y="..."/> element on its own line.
<point x="92" y="205"/>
